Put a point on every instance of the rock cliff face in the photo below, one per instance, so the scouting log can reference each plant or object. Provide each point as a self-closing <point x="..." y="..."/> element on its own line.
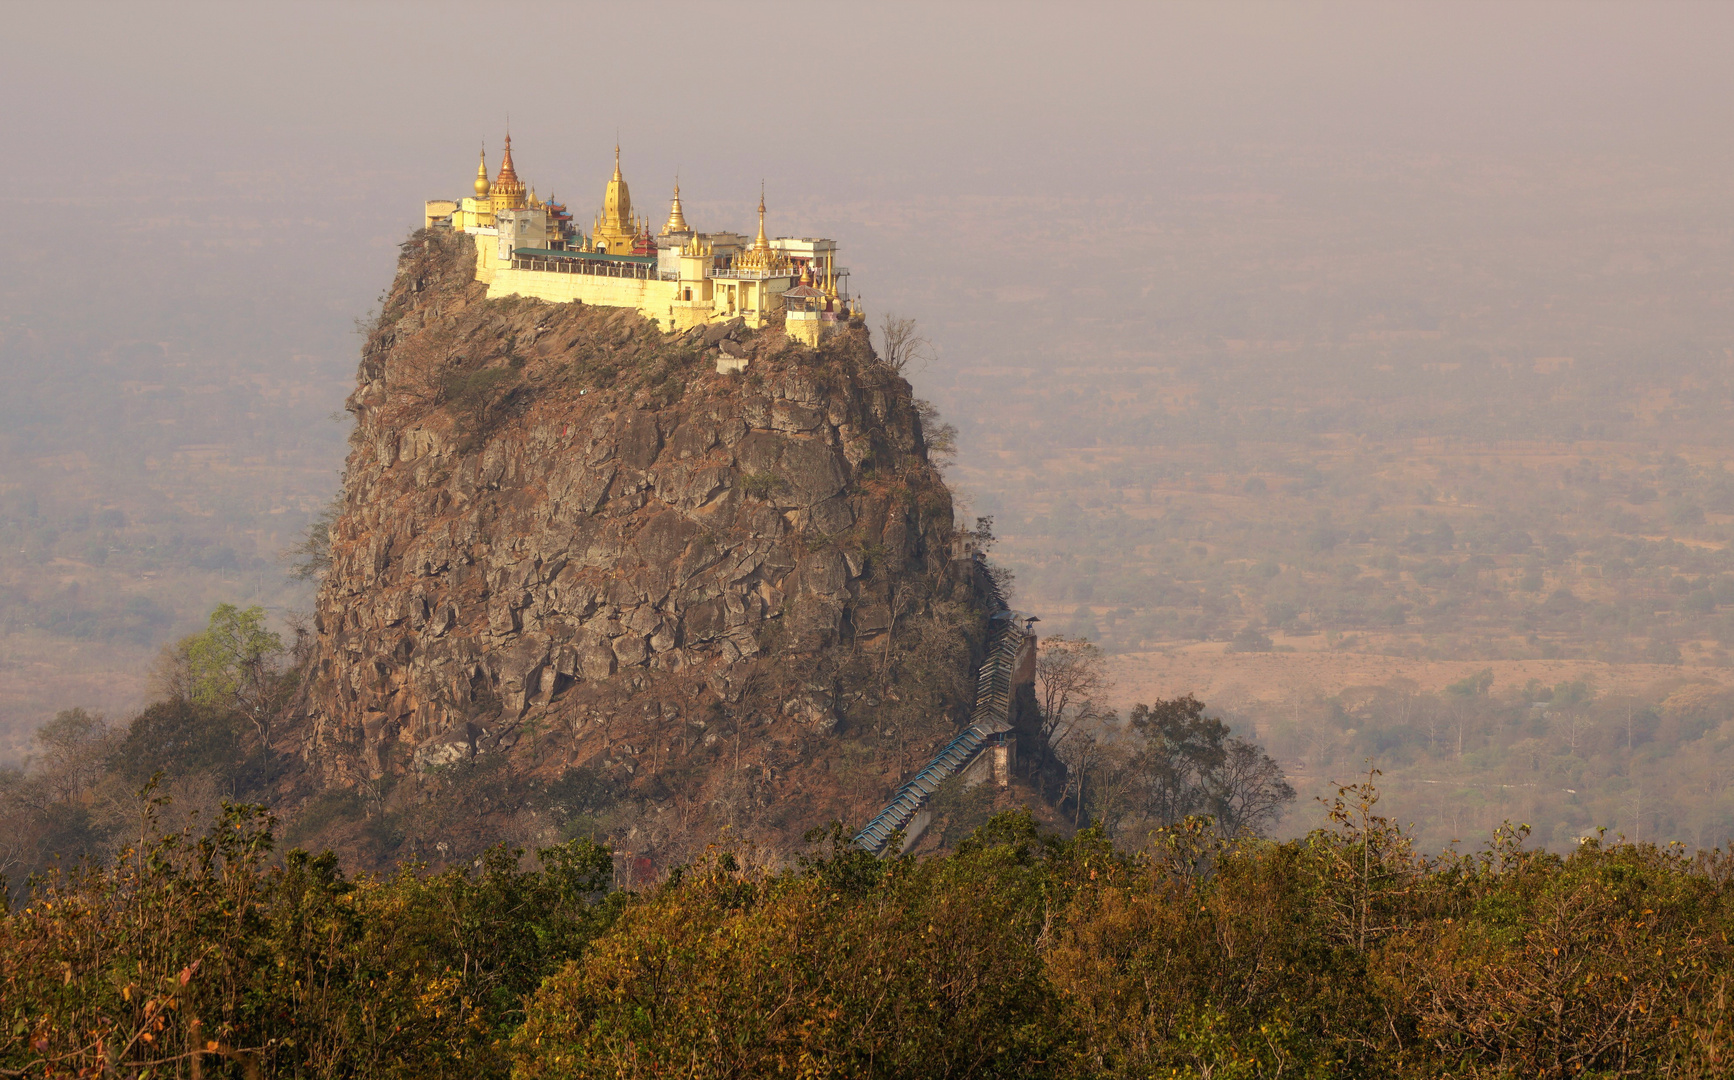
<point x="582" y="581"/>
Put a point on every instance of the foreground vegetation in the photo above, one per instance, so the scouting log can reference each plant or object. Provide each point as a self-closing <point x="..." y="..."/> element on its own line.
<point x="1342" y="954"/>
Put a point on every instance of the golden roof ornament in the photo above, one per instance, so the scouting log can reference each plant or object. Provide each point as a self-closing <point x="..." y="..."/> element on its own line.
<point x="676" y="219"/>
<point x="482" y="185"/>
<point x="508" y="190"/>
<point x="759" y="255"/>
<point x="761" y="244"/>
<point x="617" y="228"/>
<point x="617" y="201"/>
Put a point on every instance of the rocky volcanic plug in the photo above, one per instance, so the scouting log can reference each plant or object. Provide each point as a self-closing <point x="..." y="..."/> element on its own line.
<point x="582" y="582"/>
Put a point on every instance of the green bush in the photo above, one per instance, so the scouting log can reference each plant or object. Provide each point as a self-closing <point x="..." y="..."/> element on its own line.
<point x="762" y="485"/>
<point x="199" y="944"/>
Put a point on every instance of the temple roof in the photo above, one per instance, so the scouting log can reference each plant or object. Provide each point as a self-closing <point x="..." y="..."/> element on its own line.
<point x="617" y="201"/>
<point x="508" y="175"/>
<point x="676" y="219"/>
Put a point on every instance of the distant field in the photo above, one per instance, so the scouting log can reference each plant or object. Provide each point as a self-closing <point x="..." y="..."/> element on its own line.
<point x="119" y="531"/>
<point x="41" y="674"/>
<point x="1585" y="549"/>
<point x="1415" y="419"/>
<point x="1235" y="681"/>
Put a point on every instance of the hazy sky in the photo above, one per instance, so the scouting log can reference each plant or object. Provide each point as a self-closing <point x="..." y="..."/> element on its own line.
<point x="1027" y="94"/>
<point x="283" y="148"/>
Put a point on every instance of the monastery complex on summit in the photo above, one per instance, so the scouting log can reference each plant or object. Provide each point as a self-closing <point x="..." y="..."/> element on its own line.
<point x="678" y="276"/>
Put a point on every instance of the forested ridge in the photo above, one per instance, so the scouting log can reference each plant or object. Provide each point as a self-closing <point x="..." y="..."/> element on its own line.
<point x="1344" y="953"/>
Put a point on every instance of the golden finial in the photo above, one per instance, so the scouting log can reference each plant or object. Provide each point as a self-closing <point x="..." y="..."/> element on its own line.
<point x="507" y="192"/>
<point x="676" y="219"/>
<point x="482" y="185"/>
<point x="617" y="175"/>
<point x="761" y="244"/>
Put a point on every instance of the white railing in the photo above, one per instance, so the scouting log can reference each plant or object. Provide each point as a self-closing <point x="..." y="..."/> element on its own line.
<point x="751" y="275"/>
<point x="759" y="275"/>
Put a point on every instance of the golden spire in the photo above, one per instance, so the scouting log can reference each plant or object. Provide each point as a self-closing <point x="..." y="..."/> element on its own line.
<point x="616" y="227"/>
<point x="482" y="185"/>
<point x="676" y="219"/>
<point x="507" y="192"/>
<point x="617" y="200"/>
<point x="761" y="244"/>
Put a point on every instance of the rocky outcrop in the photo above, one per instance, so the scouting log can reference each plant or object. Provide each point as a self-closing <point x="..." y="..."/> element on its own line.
<point x="563" y="531"/>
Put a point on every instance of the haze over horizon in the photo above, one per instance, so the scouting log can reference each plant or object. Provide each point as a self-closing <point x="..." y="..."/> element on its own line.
<point x="1162" y="252"/>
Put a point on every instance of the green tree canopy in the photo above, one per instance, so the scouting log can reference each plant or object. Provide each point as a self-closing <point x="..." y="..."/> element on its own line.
<point x="234" y="654"/>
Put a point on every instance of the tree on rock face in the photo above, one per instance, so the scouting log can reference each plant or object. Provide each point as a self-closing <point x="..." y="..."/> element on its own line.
<point x="234" y="654"/>
<point x="235" y="665"/>
<point x="902" y="347"/>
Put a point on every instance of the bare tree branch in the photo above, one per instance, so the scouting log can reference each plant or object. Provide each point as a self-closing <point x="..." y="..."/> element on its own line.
<point x="902" y="348"/>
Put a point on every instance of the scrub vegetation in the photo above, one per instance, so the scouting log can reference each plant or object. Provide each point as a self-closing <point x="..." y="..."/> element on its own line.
<point x="1345" y="953"/>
